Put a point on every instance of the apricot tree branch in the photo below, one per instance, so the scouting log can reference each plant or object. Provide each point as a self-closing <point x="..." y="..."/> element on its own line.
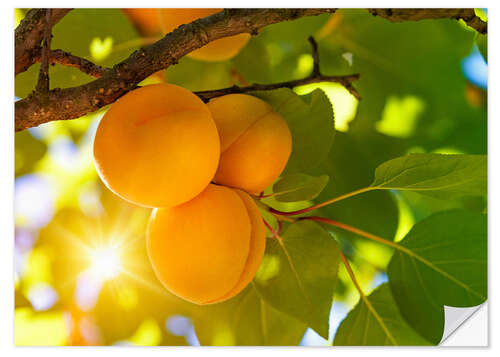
<point x="398" y="15"/>
<point x="43" y="84"/>
<point x="67" y="59"/>
<point x="69" y="103"/>
<point x="314" y="77"/>
<point x="29" y="34"/>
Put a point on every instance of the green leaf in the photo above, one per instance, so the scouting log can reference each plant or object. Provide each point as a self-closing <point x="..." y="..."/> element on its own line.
<point x="350" y="169"/>
<point x="441" y="176"/>
<point x="299" y="273"/>
<point x="299" y="187"/>
<point x="256" y="323"/>
<point x="441" y="261"/>
<point x="310" y="119"/>
<point x="482" y="45"/>
<point x="377" y="322"/>
<point x="246" y="320"/>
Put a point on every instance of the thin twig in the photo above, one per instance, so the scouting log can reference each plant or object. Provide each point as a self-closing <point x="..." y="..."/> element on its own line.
<point x="43" y="84"/>
<point x="67" y="59"/>
<point x="344" y="80"/>
<point x="315" y="55"/>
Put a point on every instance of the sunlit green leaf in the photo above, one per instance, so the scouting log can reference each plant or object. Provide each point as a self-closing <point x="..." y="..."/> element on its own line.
<point x="256" y="323"/>
<point x="377" y="322"/>
<point x="301" y="275"/>
<point x="246" y="320"/>
<point x="441" y="176"/>
<point x="408" y="108"/>
<point x="100" y="49"/>
<point x="299" y="187"/>
<point x="441" y="261"/>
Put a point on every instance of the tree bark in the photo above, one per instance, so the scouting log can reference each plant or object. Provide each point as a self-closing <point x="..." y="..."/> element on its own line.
<point x="69" y="103"/>
<point x="29" y="33"/>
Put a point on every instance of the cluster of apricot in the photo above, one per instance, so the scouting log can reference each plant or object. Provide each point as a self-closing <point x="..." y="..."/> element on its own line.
<point x="152" y="22"/>
<point x="197" y="165"/>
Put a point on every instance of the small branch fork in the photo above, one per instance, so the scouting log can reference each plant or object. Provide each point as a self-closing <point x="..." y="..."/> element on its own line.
<point x="314" y="77"/>
<point x="67" y="59"/>
<point x="29" y="34"/>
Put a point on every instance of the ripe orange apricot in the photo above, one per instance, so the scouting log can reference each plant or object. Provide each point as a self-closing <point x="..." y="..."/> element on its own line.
<point x="255" y="142"/>
<point x="208" y="249"/>
<point x="146" y="21"/>
<point x="157" y="146"/>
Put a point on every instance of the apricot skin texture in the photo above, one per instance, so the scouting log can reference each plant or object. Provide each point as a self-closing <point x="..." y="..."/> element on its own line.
<point x="255" y="142"/>
<point x="208" y="249"/>
<point x="155" y="21"/>
<point x="146" y="21"/>
<point x="157" y="146"/>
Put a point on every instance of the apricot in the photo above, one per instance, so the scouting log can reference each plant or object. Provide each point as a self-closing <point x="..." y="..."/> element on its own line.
<point x="146" y="21"/>
<point x="157" y="146"/>
<point x="255" y="142"/>
<point x="207" y="250"/>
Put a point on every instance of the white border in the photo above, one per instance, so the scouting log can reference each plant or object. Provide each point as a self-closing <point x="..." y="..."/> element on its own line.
<point x="7" y="183"/>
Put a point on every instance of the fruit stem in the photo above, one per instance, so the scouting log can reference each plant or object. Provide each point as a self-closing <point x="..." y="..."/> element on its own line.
<point x="323" y="204"/>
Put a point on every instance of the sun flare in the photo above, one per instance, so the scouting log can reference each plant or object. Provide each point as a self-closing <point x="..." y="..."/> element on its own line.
<point x="105" y="262"/>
